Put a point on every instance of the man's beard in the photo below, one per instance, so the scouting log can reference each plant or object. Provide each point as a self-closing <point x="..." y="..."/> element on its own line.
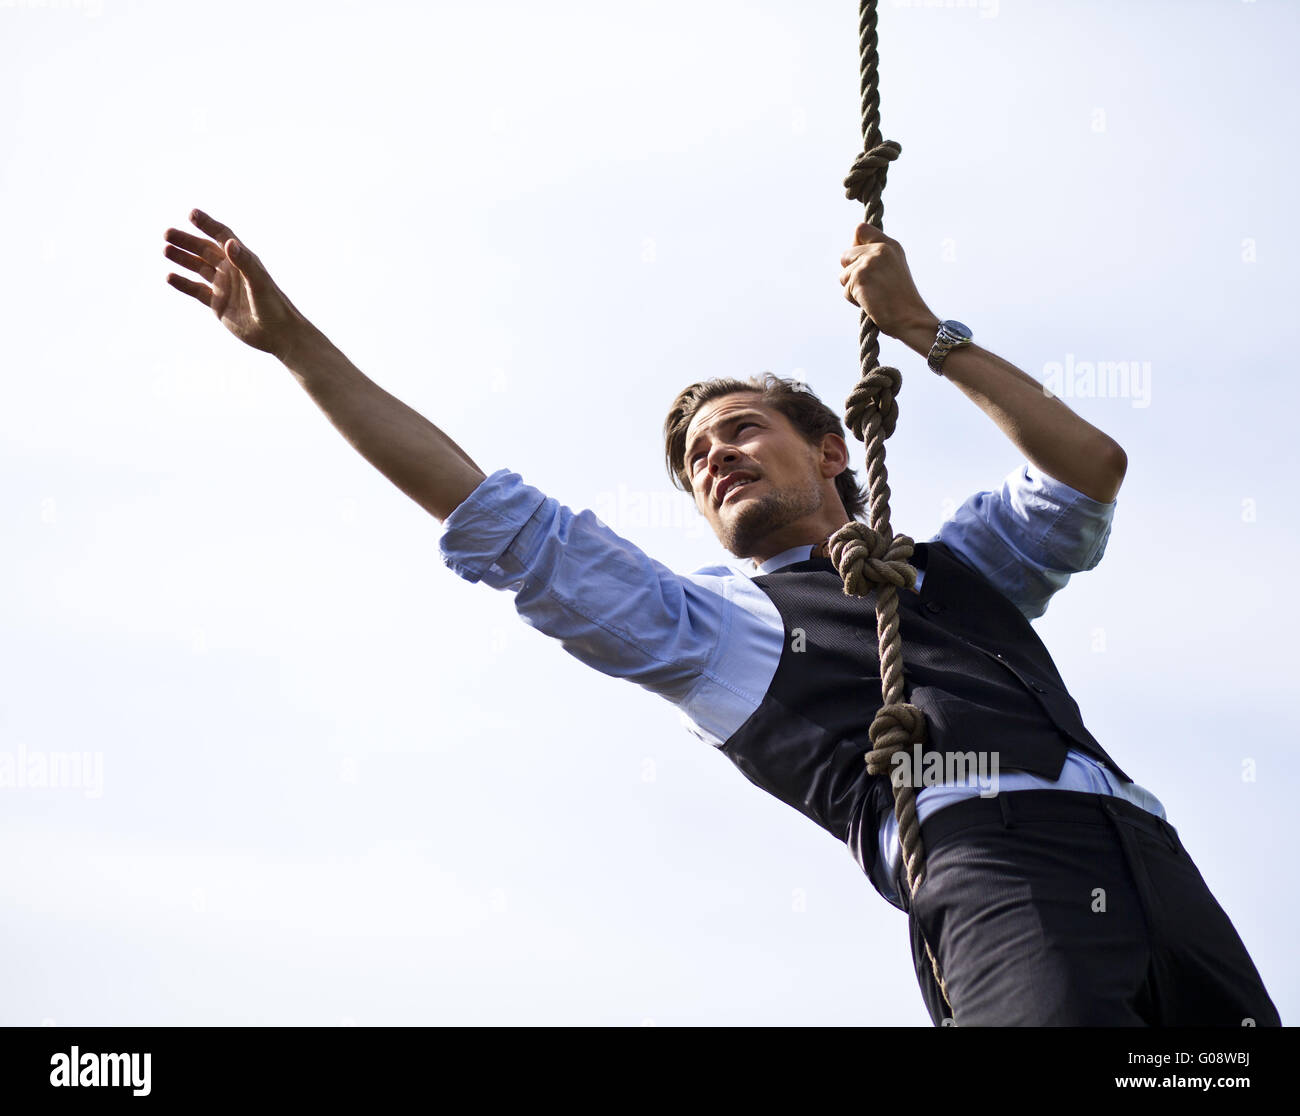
<point x="755" y="519"/>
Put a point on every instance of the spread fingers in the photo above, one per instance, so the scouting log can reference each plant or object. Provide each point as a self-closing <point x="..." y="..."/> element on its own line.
<point x="193" y="262"/>
<point x="201" y="291"/>
<point x="196" y="245"/>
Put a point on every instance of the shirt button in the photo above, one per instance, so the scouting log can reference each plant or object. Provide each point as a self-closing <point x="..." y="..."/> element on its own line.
<point x="932" y="606"/>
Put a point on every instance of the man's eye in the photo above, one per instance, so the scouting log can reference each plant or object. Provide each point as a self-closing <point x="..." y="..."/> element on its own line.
<point x="699" y="456"/>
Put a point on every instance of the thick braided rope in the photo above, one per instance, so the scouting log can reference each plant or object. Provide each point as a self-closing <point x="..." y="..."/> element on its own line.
<point x="871" y="556"/>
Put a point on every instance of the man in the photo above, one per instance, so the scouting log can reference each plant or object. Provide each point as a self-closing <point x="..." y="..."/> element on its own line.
<point x="1065" y="898"/>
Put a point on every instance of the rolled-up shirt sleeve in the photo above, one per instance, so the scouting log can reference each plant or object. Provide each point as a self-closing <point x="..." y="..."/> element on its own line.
<point x="609" y="604"/>
<point x="1030" y="536"/>
<point x="486" y="523"/>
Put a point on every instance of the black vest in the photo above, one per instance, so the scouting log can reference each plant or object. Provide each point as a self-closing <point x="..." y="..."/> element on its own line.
<point x="972" y="663"/>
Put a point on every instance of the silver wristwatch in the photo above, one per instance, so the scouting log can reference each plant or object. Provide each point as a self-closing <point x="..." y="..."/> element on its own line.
<point x="951" y="335"/>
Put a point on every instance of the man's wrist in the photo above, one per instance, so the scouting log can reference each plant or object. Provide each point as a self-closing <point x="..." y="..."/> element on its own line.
<point x="919" y="335"/>
<point x="301" y="345"/>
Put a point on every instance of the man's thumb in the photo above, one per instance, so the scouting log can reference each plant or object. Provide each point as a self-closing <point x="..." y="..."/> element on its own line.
<point x="241" y="257"/>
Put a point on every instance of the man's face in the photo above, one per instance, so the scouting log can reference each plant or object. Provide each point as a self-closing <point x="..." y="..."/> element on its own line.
<point x="754" y="477"/>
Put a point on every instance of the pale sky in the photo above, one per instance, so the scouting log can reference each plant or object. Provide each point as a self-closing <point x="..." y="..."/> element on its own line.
<point x="325" y="780"/>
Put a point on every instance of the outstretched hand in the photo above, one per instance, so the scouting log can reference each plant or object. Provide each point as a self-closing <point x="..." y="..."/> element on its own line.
<point x="237" y="288"/>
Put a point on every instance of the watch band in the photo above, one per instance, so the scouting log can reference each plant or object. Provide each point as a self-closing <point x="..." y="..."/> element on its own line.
<point x="952" y="335"/>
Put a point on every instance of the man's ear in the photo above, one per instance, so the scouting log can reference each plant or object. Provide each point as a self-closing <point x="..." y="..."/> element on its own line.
<point x="835" y="455"/>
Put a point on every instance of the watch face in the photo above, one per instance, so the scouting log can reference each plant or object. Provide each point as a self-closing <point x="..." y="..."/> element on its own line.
<point x="957" y="330"/>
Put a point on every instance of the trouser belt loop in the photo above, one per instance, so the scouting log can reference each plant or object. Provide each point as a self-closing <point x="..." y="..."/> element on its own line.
<point x="1007" y="823"/>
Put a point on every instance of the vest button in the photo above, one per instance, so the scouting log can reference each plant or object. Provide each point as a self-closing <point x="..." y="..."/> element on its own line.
<point x="998" y="654"/>
<point x="1039" y="689"/>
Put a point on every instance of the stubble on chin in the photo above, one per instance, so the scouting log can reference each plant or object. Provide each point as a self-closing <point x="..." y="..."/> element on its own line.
<point x="753" y="520"/>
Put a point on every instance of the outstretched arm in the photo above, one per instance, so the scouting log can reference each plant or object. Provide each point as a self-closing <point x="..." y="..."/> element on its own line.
<point x="403" y="445"/>
<point x="1044" y="429"/>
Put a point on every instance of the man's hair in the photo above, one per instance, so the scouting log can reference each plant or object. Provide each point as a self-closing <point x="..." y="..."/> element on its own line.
<point x="791" y="398"/>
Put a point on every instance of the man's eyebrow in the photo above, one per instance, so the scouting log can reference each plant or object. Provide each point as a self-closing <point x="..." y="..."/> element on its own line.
<point x="725" y="422"/>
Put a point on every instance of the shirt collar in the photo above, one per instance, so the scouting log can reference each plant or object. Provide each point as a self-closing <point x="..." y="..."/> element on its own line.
<point x="778" y="561"/>
<point x="804" y="552"/>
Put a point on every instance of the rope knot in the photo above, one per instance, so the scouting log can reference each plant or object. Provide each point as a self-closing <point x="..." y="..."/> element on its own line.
<point x="866" y="181"/>
<point x="896" y="726"/>
<point x="875" y="392"/>
<point x="866" y="558"/>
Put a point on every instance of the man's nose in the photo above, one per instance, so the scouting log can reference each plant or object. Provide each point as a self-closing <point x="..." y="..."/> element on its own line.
<point x="720" y="454"/>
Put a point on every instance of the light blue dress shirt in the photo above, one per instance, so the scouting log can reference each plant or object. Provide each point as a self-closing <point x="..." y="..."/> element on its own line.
<point x="710" y="641"/>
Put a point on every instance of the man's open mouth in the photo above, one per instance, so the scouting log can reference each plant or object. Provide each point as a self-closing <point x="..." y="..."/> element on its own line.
<point x="735" y="486"/>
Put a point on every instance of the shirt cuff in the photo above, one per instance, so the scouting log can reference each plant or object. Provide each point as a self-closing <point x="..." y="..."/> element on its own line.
<point x="1079" y="534"/>
<point x="479" y="531"/>
<point x="1063" y="492"/>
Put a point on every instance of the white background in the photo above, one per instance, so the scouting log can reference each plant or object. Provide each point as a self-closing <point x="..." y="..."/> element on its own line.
<point x="339" y="784"/>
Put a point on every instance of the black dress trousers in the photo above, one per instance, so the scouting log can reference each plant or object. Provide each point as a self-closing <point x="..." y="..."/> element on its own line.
<point x="1058" y="908"/>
